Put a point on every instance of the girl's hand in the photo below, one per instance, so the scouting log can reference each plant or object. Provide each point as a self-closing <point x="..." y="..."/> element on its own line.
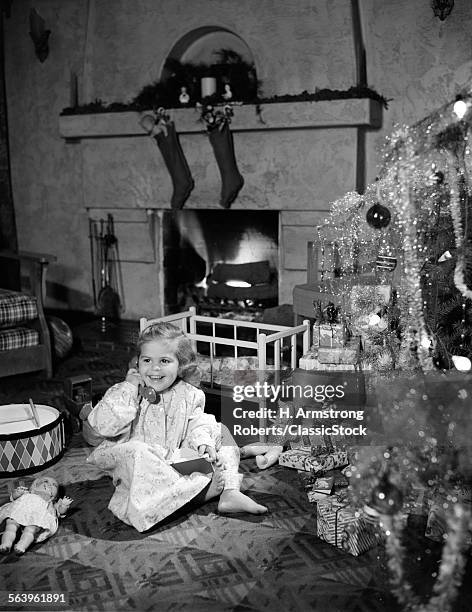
<point x="209" y="450"/>
<point x="66" y="501"/>
<point x="134" y="377"/>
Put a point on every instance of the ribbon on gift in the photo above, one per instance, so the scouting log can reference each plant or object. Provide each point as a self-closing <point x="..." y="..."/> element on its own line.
<point x="343" y="542"/>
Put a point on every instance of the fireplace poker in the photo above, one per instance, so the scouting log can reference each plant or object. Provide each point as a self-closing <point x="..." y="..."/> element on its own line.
<point x="92" y="235"/>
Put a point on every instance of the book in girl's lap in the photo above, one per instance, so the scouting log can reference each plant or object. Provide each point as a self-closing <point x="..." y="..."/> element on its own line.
<point x="142" y="438"/>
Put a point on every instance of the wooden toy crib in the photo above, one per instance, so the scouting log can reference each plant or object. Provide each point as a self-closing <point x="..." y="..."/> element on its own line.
<point x="272" y="347"/>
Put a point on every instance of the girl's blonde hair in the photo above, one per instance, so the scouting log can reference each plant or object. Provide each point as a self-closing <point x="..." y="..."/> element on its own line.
<point x="186" y="356"/>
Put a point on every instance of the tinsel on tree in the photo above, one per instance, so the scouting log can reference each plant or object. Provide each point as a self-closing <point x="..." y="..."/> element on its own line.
<point x="404" y="282"/>
<point x="411" y="231"/>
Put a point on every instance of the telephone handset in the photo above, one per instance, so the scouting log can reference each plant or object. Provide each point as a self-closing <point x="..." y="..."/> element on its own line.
<point x="149" y="394"/>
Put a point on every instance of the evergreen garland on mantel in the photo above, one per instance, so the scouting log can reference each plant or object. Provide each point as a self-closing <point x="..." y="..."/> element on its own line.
<point x="231" y="69"/>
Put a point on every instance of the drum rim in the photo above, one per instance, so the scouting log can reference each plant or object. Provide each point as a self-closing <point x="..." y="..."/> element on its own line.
<point x="31" y="433"/>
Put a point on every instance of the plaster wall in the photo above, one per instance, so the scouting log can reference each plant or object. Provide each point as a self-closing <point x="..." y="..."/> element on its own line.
<point x="115" y="47"/>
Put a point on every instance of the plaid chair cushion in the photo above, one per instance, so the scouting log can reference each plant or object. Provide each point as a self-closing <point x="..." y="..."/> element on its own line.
<point x="16" y="307"/>
<point x="18" y="337"/>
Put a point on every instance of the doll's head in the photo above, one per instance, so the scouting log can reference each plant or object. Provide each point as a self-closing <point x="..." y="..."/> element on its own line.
<point x="165" y="353"/>
<point x="46" y="487"/>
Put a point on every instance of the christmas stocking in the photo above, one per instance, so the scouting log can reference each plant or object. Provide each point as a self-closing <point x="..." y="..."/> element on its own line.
<point x="221" y="140"/>
<point x="168" y="143"/>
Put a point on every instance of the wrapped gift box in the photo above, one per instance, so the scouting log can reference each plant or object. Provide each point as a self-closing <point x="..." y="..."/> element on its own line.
<point x="329" y="335"/>
<point x="295" y="458"/>
<point x="303" y="460"/>
<point x="324" y="463"/>
<point x="339" y="480"/>
<point x="348" y="354"/>
<point x="310" y="361"/>
<point x="324" y="484"/>
<point x="316" y="496"/>
<point x="340" y="525"/>
<point x="322" y="487"/>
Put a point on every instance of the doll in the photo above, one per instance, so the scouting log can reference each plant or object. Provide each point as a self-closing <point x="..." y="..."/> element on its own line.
<point x="35" y="510"/>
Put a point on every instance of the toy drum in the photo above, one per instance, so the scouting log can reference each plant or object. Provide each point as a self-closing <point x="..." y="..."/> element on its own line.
<point x="29" y="442"/>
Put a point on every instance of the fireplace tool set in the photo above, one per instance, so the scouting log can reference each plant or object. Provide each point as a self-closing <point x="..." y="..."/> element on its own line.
<point x="107" y="282"/>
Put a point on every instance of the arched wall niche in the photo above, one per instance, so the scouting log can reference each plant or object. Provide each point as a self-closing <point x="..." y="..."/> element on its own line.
<point x="201" y="46"/>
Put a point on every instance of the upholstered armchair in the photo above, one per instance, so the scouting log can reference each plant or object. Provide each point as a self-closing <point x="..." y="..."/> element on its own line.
<point x="25" y="344"/>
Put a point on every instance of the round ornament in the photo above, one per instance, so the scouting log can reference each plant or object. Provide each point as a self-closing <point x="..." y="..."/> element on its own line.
<point x="378" y="216"/>
<point x="386" y="497"/>
<point x="463" y="364"/>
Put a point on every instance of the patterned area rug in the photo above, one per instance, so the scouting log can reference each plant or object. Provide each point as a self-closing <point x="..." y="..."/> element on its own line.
<point x="197" y="559"/>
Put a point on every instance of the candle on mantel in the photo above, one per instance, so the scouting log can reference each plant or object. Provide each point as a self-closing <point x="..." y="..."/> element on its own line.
<point x="208" y="85"/>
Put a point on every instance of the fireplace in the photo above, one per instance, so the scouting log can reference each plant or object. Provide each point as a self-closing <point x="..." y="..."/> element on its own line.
<point x="222" y="262"/>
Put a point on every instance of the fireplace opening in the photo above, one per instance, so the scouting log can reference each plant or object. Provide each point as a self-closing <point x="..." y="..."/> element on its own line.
<point x="222" y="262"/>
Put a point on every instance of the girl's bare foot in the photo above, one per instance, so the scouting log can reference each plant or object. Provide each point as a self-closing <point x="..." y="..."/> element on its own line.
<point x="232" y="501"/>
<point x="216" y="485"/>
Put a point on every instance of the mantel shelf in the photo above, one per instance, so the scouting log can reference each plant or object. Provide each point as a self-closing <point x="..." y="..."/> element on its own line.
<point x="352" y="112"/>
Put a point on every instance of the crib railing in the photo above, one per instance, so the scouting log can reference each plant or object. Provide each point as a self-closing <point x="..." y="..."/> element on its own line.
<point x="276" y="338"/>
<point x="188" y="321"/>
<point x="279" y="335"/>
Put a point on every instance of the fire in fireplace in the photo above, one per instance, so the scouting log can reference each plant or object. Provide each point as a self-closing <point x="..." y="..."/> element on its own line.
<point x="221" y="261"/>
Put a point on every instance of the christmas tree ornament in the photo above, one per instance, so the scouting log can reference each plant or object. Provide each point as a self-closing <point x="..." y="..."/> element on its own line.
<point x="184" y="98"/>
<point x="378" y="216"/>
<point x="374" y="320"/>
<point x="386" y="498"/>
<point x="460" y="108"/>
<point x="445" y="256"/>
<point x="227" y="94"/>
<point x="386" y="262"/>
<point x="463" y="364"/>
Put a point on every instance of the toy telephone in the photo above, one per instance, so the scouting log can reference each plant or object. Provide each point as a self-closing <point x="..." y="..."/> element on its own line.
<point x="149" y="394"/>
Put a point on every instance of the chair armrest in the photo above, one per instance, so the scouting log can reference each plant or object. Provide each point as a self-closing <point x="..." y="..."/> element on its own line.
<point x="36" y="264"/>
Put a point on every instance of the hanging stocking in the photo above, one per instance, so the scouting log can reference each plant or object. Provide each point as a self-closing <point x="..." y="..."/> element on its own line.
<point x="167" y="140"/>
<point x="221" y="140"/>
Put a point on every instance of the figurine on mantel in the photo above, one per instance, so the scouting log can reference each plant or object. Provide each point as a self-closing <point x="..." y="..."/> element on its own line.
<point x="184" y="98"/>
<point x="227" y="94"/>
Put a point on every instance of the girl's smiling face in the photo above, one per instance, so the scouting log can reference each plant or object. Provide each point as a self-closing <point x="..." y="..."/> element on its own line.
<point x="158" y="364"/>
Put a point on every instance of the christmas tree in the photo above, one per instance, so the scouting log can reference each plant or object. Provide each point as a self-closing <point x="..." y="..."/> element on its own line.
<point x="405" y="286"/>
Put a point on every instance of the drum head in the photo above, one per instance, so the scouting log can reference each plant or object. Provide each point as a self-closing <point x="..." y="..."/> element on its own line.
<point x="16" y="418"/>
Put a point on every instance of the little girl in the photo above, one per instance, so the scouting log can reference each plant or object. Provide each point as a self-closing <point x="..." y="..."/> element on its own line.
<point x="142" y="438"/>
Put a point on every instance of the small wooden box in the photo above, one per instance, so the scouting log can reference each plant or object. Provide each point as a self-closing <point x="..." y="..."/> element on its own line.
<point x="77" y="392"/>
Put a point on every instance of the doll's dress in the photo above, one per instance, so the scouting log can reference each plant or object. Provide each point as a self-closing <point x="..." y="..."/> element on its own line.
<point x="31" y="509"/>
